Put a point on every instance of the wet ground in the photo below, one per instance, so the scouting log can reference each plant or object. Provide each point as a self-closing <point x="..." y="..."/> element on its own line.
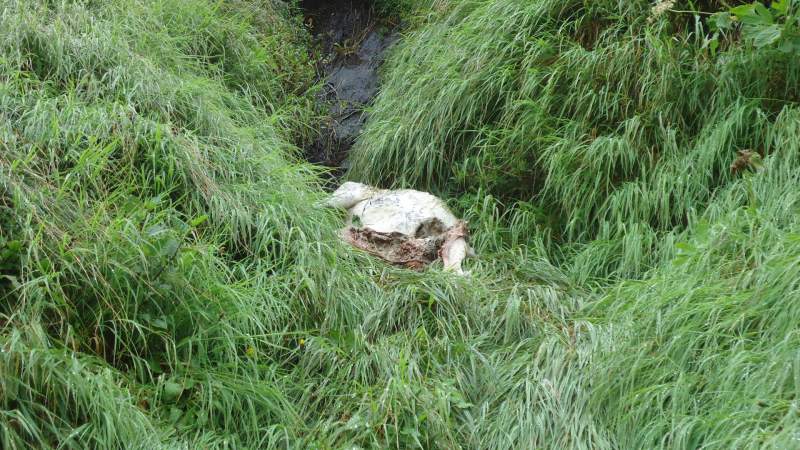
<point x="351" y="44"/>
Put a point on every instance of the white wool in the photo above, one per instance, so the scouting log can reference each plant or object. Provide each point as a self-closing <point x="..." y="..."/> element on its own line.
<point x="402" y="211"/>
<point x="349" y="194"/>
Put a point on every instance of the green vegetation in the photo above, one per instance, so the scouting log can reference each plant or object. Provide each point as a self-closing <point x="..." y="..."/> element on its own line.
<point x="655" y="158"/>
<point x="629" y="172"/>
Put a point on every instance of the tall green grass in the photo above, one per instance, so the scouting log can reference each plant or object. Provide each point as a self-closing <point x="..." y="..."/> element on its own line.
<point x="702" y="353"/>
<point x="149" y="179"/>
<point x="613" y="131"/>
<point x="618" y="123"/>
<point x="168" y="279"/>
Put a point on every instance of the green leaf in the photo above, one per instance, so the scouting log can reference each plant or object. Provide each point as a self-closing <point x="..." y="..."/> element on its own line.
<point x="780" y="6"/>
<point x="160" y="323"/>
<point x="714" y="45"/>
<point x="172" y="391"/>
<point x="199" y="220"/>
<point x="155" y="230"/>
<point x="701" y="232"/>
<point x="721" y="21"/>
<point x="170" y="247"/>
<point x="356" y="421"/>
<point x="154" y="366"/>
<point x="175" y="415"/>
<point x="153" y="202"/>
<point x="743" y="10"/>
<point x="763" y="13"/>
<point x="680" y="260"/>
<point x="763" y="36"/>
<point x="188" y="419"/>
<point x="14" y="245"/>
<point x="753" y="14"/>
<point x="790" y="44"/>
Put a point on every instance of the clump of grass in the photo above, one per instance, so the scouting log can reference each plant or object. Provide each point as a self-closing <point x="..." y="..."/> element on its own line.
<point x="412" y="12"/>
<point x="149" y="179"/>
<point x="704" y="349"/>
<point x="552" y="102"/>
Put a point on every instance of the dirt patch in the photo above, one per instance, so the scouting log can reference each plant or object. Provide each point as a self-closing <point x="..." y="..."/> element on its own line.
<point x="350" y="44"/>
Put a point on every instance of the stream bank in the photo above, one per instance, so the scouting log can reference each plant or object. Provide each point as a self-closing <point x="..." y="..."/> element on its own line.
<point x="350" y="44"/>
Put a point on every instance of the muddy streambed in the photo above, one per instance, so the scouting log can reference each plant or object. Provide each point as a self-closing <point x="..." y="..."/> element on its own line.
<point x="350" y="44"/>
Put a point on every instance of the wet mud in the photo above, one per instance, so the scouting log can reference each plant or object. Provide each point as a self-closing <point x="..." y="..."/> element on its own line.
<point x="350" y="44"/>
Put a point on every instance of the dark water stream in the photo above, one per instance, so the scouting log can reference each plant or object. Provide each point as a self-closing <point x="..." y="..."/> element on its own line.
<point x="350" y="42"/>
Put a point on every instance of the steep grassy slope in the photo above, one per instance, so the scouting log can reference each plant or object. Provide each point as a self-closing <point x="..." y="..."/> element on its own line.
<point x="619" y="123"/>
<point x="616" y="128"/>
<point x="168" y="280"/>
<point x="149" y="202"/>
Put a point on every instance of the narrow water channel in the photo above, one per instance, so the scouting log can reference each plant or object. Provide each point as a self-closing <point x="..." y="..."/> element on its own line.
<point x="350" y="44"/>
